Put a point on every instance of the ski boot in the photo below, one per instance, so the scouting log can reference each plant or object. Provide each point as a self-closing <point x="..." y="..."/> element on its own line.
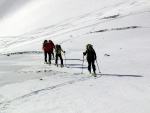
<point x="62" y="65"/>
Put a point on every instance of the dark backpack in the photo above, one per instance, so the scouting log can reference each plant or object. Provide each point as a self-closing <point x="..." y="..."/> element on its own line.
<point x="58" y="49"/>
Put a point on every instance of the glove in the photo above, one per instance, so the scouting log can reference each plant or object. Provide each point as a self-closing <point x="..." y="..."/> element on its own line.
<point x="83" y="53"/>
<point x="64" y="51"/>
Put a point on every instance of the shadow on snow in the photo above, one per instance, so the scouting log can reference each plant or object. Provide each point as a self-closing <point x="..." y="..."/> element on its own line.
<point x="118" y="75"/>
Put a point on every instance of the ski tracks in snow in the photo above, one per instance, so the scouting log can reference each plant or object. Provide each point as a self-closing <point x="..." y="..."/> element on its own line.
<point x="89" y="20"/>
<point x="5" y="104"/>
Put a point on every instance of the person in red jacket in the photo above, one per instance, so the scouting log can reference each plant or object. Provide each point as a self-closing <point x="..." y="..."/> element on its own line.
<point x="51" y="47"/>
<point x="46" y="49"/>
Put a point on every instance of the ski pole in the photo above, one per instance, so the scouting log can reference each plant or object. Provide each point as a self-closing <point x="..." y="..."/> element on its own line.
<point x="82" y="65"/>
<point x="98" y="66"/>
<point x="65" y="59"/>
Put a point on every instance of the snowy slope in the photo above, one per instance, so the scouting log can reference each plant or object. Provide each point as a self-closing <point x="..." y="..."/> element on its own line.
<point x="38" y="13"/>
<point x="119" y="31"/>
<point x="119" y="15"/>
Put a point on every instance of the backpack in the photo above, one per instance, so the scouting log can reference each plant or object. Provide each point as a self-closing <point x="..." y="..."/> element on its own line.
<point x="58" y="49"/>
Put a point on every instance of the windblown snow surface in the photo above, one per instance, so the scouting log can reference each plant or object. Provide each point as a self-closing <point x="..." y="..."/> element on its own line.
<point x="119" y="31"/>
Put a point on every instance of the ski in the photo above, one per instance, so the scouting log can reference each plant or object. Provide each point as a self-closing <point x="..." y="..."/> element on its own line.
<point x="57" y="65"/>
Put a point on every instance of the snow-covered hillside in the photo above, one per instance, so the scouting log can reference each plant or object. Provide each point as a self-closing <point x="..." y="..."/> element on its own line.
<point x="36" y="14"/>
<point x="119" y="31"/>
<point x="35" y="21"/>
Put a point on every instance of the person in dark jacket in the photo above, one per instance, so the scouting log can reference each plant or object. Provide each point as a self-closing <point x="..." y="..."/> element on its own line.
<point x="45" y="49"/>
<point x="91" y="57"/>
